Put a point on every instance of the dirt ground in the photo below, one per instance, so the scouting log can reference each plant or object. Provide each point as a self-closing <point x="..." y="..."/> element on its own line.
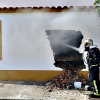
<point x="37" y="91"/>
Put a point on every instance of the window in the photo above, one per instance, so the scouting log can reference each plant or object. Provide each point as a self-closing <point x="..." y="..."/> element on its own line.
<point x="0" y="40"/>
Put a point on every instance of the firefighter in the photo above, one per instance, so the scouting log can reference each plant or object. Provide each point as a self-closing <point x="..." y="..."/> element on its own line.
<point x="93" y="60"/>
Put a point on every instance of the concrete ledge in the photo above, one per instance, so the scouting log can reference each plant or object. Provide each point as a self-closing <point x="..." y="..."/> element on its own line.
<point x="28" y="75"/>
<point x="33" y="75"/>
<point x="84" y="73"/>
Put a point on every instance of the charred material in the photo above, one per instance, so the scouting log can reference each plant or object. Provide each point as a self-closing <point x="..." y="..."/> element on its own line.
<point x="65" y="44"/>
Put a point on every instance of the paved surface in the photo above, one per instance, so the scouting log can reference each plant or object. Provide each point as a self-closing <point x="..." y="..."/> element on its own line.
<point x="36" y="91"/>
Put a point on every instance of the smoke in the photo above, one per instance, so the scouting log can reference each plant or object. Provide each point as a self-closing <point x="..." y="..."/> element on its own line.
<point x="65" y="42"/>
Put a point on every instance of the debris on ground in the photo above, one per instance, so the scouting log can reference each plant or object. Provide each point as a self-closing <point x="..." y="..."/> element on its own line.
<point x="38" y="91"/>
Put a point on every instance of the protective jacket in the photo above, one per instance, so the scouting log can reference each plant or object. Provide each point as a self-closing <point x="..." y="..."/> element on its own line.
<point x="93" y="57"/>
<point x="93" y="60"/>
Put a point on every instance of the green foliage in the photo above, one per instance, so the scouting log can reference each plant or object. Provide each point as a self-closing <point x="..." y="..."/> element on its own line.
<point x="97" y="3"/>
<point x="98" y="10"/>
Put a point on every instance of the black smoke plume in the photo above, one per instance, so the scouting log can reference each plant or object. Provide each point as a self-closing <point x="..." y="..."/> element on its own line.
<point x="60" y="39"/>
<point x="63" y="44"/>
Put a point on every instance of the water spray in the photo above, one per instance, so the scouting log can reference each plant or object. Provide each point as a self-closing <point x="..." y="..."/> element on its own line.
<point x="75" y="48"/>
<point x="70" y="46"/>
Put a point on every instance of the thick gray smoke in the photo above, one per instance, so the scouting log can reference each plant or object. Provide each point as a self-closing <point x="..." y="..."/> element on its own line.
<point x="64" y="42"/>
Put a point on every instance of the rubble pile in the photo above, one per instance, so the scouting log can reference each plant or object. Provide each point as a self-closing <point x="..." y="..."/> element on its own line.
<point x="65" y="46"/>
<point x="67" y="79"/>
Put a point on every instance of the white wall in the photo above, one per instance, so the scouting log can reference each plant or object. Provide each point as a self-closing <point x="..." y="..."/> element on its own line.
<point x="44" y="3"/>
<point x="24" y="41"/>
